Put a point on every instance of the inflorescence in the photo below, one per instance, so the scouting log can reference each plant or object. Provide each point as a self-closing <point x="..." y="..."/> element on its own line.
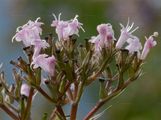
<point x="66" y="67"/>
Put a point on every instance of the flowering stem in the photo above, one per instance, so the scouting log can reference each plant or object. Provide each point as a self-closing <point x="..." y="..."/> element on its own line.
<point x="28" y="106"/>
<point x="115" y="93"/>
<point x="9" y="112"/>
<point x="94" y="110"/>
<point x="100" y="104"/>
<point x="74" y="108"/>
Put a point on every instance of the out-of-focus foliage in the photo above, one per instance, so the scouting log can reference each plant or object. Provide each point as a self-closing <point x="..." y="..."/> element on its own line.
<point x="142" y="99"/>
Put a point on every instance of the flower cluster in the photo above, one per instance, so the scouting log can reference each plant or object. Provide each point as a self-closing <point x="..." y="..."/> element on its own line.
<point x="106" y="37"/>
<point x="66" y="68"/>
<point x="64" y="29"/>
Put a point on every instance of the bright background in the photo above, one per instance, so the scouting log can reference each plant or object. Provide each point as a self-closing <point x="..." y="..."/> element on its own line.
<point x="142" y="99"/>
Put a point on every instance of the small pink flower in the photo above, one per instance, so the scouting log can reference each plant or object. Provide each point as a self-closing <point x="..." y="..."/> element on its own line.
<point x="38" y="45"/>
<point x="29" y="32"/>
<point x="45" y="62"/>
<point x="126" y="33"/>
<point x="134" y="45"/>
<point x="25" y="89"/>
<point x="60" y="26"/>
<point x="74" y="26"/>
<point x="104" y="38"/>
<point x="64" y="29"/>
<point x="106" y="32"/>
<point x="150" y="43"/>
<point x="56" y="22"/>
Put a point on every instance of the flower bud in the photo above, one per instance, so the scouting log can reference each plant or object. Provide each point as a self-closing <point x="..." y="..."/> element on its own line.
<point x="150" y="43"/>
<point x="25" y="90"/>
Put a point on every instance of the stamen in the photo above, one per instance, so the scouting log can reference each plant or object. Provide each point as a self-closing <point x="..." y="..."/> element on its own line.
<point x="82" y="28"/>
<point x="37" y="19"/>
<point x="13" y="38"/>
<point x="18" y="29"/>
<point x="130" y="27"/>
<point x="55" y="17"/>
<point x="59" y="17"/>
<point x="128" y="22"/>
<point x="134" y="30"/>
<point x="76" y="16"/>
<point x="122" y="25"/>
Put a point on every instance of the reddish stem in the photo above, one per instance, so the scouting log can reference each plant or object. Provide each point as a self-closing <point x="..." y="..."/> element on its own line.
<point x="73" y="114"/>
<point x="94" y="110"/>
<point x="102" y="102"/>
<point x="29" y="103"/>
<point x="9" y="112"/>
<point x="60" y="111"/>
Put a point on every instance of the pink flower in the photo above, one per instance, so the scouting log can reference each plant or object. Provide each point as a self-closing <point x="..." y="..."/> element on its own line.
<point x="126" y="33"/>
<point x="134" y="45"/>
<point x="64" y="29"/>
<point x="150" y="43"/>
<point x="74" y="26"/>
<point x="104" y="38"/>
<point x="25" y="89"/>
<point x="106" y="32"/>
<point x="45" y="62"/>
<point x="29" y="32"/>
<point x="38" y="45"/>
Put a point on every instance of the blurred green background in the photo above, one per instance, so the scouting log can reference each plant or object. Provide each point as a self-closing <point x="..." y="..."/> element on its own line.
<point x="142" y="99"/>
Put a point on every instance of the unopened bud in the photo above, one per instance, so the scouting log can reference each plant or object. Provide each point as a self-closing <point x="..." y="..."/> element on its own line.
<point x="25" y="90"/>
